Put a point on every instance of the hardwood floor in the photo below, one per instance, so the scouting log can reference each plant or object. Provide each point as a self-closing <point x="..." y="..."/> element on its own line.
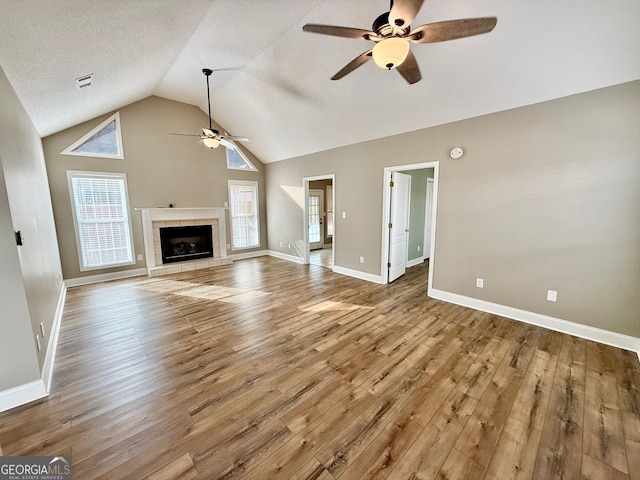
<point x="322" y="257"/>
<point x="267" y="369"/>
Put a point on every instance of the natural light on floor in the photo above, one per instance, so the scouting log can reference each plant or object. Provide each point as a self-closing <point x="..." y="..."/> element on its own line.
<point x="196" y="290"/>
<point x="332" y="306"/>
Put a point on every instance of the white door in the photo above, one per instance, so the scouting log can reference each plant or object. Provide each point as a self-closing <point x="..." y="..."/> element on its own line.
<point x="315" y="210"/>
<point x="426" y="253"/>
<point x="399" y="220"/>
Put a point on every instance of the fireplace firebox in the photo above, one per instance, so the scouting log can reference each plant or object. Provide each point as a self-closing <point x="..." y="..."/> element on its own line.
<point x="179" y="244"/>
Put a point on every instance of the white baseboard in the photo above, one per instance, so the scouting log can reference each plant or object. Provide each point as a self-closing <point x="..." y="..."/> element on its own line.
<point x="14" y="397"/>
<point x="105" y="277"/>
<point x="599" y="335"/>
<point x="414" y="262"/>
<point x="242" y="256"/>
<point x="285" y="256"/>
<point x="369" y="277"/>
<point x="47" y="369"/>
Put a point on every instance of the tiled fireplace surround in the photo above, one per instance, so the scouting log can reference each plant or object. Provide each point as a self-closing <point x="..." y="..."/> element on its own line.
<point x="154" y="218"/>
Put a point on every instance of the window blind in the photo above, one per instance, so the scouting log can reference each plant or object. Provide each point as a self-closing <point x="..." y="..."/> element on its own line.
<point x="102" y="220"/>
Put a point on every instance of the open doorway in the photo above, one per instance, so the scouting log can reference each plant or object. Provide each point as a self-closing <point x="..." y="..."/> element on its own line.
<point x="409" y="218"/>
<point x="319" y="231"/>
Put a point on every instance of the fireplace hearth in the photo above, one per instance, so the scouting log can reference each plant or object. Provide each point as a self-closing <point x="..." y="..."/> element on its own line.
<point x="180" y="244"/>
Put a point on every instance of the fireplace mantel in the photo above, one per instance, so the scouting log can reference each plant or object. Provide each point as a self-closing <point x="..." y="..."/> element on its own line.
<point x="181" y="216"/>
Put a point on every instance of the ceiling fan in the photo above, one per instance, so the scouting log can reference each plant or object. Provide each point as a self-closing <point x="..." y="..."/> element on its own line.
<point x="211" y="137"/>
<point x="391" y="32"/>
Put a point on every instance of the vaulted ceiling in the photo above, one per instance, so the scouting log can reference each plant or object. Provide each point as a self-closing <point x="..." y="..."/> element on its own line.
<point x="272" y="80"/>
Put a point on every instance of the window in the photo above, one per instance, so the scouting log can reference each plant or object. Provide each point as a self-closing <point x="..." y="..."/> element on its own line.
<point x="243" y="201"/>
<point x="236" y="160"/>
<point x="101" y="219"/>
<point x="103" y="141"/>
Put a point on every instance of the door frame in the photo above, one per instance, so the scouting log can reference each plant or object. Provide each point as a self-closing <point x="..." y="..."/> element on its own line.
<point x="305" y="215"/>
<point x="428" y="219"/>
<point x="386" y="207"/>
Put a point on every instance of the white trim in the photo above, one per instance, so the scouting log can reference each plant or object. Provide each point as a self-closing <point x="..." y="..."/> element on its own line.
<point x="414" y="262"/>
<point x="369" y="277"/>
<point x="120" y="156"/>
<point x="105" y="277"/>
<point x="285" y="256"/>
<point x="242" y="256"/>
<point x="47" y="368"/>
<point x="16" y="396"/>
<point x="599" y="335"/>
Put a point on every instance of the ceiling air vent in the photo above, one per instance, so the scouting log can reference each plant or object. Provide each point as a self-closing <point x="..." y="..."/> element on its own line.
<point x="84" y="81"/>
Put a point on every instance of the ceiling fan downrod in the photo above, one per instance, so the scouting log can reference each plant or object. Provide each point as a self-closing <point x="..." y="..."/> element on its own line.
<point x="207" y="72"/>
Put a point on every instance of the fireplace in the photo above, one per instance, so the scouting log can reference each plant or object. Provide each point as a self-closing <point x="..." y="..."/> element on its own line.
<point x="180" y="244"/>
<point x="154" y="219"/>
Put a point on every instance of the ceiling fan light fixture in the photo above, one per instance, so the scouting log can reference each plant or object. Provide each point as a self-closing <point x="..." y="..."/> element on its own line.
<point x="211" y="142"/>
<point x="390" y="52"/>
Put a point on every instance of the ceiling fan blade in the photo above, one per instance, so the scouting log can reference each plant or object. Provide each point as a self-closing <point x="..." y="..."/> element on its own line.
<point x="404" y="12"/>
<point x="353" y="64"/>
<point x="347" y="32"/>
<point x="227" y="144"/>
<point x="185" y="134"/>
<point x="409" y="69"/>
<point x="235" y="139"/>
<point x="452" y="29"/>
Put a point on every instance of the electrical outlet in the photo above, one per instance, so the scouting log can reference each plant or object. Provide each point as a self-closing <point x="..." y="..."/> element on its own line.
<point x="38" y="342"/>
<point x="361" y="259"/>
<point x="42" y="329"/>
<point x="289" y="245"/>
<point x="228" y="246"/>
<point x="418" y="247"/>
<point x="139" y="257"/>
<point x="480" y="282"/>
<point x="282" y="244"/>
<point x="552" y="295"/>
<point x="226" y="204"/>
<point x="344" y="214"/>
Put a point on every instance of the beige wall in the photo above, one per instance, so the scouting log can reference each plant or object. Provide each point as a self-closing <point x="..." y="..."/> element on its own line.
<point x="161" y="169"/>
<point x="30" y="275"/>
<point x="545" y="197"/>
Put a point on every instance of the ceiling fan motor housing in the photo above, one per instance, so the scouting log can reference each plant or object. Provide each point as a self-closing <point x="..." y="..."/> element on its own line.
<point x="383" y="29"/>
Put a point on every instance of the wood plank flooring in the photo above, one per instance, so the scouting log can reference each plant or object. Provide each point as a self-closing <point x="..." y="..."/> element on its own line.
<point x="266" y="369"/>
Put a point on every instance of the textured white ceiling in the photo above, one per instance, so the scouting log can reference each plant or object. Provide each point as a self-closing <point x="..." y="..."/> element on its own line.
<point x="273" y="81"/>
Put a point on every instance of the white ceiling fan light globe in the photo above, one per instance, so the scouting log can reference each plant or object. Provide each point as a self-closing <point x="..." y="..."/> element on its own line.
<point x="211" y="142"/>
<point x="390" y="52"/>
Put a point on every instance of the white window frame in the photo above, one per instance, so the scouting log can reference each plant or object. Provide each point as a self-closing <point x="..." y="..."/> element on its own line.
<point x="71" y="174"/>
<point x="252" y="167"/>
<point x="119" y="156"/>
<point x="254" y="184"/>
